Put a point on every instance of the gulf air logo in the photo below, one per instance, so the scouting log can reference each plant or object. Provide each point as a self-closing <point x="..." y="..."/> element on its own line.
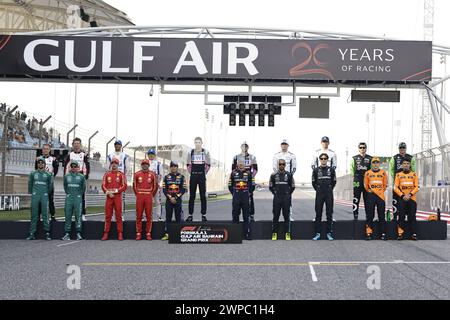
<point x="309" y="63"/>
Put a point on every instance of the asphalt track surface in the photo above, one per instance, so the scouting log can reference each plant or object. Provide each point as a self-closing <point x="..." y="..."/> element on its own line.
<point x="258" y="269"/>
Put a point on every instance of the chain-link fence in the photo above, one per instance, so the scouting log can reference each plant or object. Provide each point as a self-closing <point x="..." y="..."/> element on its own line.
<point x="432" y="167"/>
<point x="216" y="179"/>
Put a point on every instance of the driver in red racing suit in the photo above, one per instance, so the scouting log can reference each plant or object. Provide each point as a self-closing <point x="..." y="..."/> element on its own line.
<point x="145" y="187"/>
<point x="114" y="184"/>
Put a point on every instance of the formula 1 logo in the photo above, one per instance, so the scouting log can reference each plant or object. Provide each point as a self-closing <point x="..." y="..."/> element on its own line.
<point x="310" y="64"/>
<point x="189" y="228"/>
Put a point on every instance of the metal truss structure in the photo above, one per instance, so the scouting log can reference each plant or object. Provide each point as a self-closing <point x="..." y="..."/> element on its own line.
<point x="221" y="33"/>
<point x="43" y="15"/>
<point x="426" y="118"/>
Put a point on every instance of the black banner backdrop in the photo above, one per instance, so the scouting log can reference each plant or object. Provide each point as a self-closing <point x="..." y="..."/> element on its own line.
<point x="132" y="58"/>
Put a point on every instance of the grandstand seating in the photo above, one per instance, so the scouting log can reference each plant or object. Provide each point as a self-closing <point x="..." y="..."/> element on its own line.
<point x="30" y="140"/>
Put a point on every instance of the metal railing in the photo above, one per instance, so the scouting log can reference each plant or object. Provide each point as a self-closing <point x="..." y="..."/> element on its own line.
<point x="92" y="200"/>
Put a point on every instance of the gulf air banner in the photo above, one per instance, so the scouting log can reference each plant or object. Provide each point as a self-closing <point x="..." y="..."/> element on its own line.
<point x="133" y="58"/>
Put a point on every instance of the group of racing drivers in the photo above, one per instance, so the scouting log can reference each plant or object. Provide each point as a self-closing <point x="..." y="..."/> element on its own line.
<point x="369" y="181"/>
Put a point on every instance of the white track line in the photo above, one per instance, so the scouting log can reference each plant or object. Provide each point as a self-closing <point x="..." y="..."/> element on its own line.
<point x="66" y="244"/>
<point x="260" y="264"/>
<point x="313" y="273"/>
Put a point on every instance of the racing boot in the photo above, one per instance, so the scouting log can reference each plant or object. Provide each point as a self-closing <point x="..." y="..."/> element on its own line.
<point x="316" y="237"/>
<point x="274" y="236"/>
<point x="368" y="233"/>
<point x="120" y="236"/>
<point x="105" y="236"/>
<point x="138" y="236"/>
<point x="330" y="237"/>
<point x="166" y="237"/>
<point x="248" y="236"/>
<point x="204" y="218"/>
<point x="400" y="233"/>
<point x="47" y="236"/>
<point x="288" y="236"/>
<point x="384" y="237"/>
<point x="189" y="218"/>
<point x="148" y="236"/>
<point x="31" y="237"/>
<point x="79" y="237"/>
<point x="66" y="237"/>
<point x="414" y="237"/>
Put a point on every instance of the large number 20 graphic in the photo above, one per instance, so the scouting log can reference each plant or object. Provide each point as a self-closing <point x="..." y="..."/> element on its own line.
<point x="4" y="41"/>
<point x="299" y="69"/>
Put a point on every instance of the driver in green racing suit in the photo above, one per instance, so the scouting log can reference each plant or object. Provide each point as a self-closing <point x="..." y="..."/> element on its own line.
<point x="40" y="185"/>
<point x="74" y="187"/>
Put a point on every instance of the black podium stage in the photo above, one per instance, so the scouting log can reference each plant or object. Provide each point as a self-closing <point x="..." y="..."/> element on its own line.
<point x="300" y="230"/>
